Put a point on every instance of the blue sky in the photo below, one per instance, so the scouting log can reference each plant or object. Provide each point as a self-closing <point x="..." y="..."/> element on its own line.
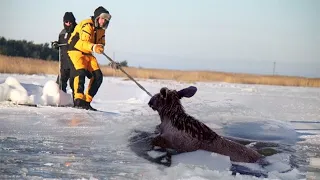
<point x="227" y="35"/>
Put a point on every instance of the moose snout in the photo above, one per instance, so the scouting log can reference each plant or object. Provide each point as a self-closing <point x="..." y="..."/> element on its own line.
<point x="151" y="103"/>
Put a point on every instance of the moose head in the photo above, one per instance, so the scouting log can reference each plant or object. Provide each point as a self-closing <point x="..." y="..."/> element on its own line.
<point x="167" y="99"/>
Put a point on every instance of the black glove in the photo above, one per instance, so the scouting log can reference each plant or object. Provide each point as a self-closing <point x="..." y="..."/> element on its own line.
<point x="55" y="44"/>
<point x="115" y="65"/>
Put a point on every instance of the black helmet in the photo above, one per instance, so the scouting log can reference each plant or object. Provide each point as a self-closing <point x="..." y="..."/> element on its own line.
<point x="102" y="13"/>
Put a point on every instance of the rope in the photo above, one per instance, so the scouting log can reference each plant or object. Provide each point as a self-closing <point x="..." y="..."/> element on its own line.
<point x="127" y="74"/>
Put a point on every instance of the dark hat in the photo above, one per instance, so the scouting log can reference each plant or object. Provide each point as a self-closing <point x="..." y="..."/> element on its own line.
<point x="68" y="16"/>
<point x="102" y="13"/>
<point x="99" y="11"/>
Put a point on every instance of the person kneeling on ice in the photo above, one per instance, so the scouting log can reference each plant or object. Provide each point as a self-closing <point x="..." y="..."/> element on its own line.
<point x="69" y="23"/>
<point x="88" y="37"/>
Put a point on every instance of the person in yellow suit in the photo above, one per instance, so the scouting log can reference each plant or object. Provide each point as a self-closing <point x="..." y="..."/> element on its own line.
<point x="88" y="37"/>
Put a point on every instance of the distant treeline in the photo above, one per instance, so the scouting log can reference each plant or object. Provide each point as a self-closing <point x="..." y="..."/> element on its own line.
<point x="23" y="48"/>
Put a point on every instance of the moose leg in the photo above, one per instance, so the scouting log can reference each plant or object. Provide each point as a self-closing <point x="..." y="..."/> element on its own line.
<point x="157" y="129"/>
<point x="161" y="142"/>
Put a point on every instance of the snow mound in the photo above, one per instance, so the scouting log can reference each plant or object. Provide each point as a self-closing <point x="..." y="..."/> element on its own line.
<point x="12" y="90"/>
<point x="53" y="96"/>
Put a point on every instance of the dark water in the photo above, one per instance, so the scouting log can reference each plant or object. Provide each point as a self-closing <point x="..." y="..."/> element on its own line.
<point x="256" y="131"/>
<point x="277" y="140"/>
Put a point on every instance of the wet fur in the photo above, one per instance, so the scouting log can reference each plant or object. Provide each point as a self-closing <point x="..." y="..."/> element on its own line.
<point x="184" y="133"/>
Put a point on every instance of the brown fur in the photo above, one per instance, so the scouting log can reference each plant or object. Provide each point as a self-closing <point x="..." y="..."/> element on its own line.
<point x="184" y="133"/>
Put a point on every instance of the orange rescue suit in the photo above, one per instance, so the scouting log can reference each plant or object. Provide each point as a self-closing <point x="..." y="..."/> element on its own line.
<point x="80" y="44"/>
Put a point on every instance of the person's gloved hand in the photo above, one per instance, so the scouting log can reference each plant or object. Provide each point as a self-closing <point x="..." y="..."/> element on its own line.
<point x="55" y="44"/>
<point x="115" y="65"/>
<point x="98" y="48"/>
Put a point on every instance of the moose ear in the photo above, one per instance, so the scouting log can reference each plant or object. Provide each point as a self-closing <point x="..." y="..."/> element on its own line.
<point x="187" y="92"/>
<point x="164" y="92"/>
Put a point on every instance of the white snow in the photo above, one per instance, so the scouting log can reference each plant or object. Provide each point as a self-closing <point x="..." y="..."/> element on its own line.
<point x="52" y="95"/>
<point x="202" y="158"/>
<point x="94" y="145"/>
<point x="315" y="162"/>
<point x="12" y="90"/>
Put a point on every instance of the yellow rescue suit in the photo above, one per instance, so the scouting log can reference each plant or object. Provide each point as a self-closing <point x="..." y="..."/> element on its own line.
<point x="80" y="44"/>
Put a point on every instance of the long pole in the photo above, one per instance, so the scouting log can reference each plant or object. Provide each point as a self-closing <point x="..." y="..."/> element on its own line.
<point x="127" y="74"/>
<point x="60" y="45"/>
<point x="59" y="76"/>
<point x="60" y="84"/>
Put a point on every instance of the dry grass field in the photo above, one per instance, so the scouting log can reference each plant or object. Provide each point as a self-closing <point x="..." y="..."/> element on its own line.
<point x="21" y="65"/>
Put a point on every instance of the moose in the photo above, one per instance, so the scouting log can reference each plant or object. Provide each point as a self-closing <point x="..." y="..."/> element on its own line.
<point x="184" y="133"/>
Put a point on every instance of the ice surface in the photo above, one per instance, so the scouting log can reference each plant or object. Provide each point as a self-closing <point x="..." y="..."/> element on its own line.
<point x="67" y="143"/>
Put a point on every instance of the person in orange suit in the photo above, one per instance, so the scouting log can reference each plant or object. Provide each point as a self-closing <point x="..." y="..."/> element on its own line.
<point x="88" y="37"/>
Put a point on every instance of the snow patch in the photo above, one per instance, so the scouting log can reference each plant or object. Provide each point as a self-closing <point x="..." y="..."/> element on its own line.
<point x="315" y="162"/>
<point x="156" y="154"/>
<point x="211" y="160"/>
<point x="134" y="101"/>
<point x="52" y="95"/>
<point x="249" y="89"/>
<point x="12" y="90"/>
<point x="311" y="139"/>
